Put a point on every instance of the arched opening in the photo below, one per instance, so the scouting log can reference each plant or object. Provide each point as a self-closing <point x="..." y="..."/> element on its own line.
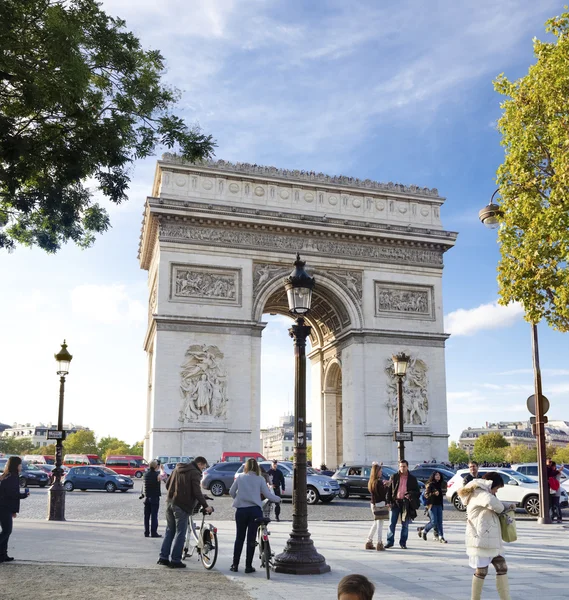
<point x="332" y="314"/>
<point x="332" y="429"/>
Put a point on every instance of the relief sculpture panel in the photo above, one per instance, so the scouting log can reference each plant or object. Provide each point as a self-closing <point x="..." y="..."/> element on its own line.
<point x="404" y="301"/>
<point x="203" y="384"/>
<point x="190" y="283"/>
<point x="415" y="398"/>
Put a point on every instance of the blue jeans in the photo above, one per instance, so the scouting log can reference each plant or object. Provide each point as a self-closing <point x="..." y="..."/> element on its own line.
<point x="151" y="506"/>
<point x="245" y="521"/>
<point x="436" y="514"/>
<point x="176" y="528"/>
<point x="394" y="513"/>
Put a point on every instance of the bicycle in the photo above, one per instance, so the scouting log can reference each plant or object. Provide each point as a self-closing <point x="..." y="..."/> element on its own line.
<point x="204" y="539"/>
<point x="262" y="542"/>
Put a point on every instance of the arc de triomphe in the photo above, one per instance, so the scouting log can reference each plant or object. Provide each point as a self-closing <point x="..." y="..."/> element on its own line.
<point x="217" y="240"/>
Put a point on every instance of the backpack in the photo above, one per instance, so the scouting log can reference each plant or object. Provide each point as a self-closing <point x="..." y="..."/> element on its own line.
<point x="553" y="483"/>
<point x="423" y="499"/>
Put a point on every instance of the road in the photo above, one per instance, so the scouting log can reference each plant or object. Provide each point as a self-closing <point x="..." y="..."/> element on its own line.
<point x="126" y="507"/>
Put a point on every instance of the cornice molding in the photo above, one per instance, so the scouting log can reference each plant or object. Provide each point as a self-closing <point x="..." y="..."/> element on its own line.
<point x="301" y="176"/>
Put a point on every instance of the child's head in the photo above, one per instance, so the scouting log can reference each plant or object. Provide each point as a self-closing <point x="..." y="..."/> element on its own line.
<point x="355" y="587"/>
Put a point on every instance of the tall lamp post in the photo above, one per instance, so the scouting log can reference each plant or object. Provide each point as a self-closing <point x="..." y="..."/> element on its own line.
<point x="490" y="217"/>
<point x="56" y="507"/>
<point x="300" y="556"/>
<point x="400" y="362"/>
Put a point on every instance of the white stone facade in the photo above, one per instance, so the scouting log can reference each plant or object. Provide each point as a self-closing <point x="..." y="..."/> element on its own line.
<point x="217" y="241"/>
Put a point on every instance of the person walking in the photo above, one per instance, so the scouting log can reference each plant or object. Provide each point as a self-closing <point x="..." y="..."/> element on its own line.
<point x="10" y="497"/>
<point x="483" y="533"/>
<point x="246" y="493"/>
<point x="403" y="499"/>
<point x="434" y="493"/>
<point x="554" y="481"/>
<point x="151" y="493"/>
<point x="379" y="510"/>
<point x="184" y="490"/>
<point x="278" y="481"/>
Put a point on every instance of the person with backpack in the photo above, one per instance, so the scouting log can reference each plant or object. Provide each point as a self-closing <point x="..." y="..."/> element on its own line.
<point x="554" y="481"/>
<point x="434" y="495"/>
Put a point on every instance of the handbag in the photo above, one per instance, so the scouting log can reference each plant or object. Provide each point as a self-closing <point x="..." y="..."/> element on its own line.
<point x="508" y="526"/>
<point x="380" y="511"/>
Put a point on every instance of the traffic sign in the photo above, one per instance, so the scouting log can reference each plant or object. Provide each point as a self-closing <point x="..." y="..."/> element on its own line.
<point x="531" y="404"/>
<point x="402" y="436"/>
<point x="54" y="434"/>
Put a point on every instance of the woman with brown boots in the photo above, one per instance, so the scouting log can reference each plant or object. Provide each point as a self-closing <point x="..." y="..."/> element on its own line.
<point x="379" y="510"/>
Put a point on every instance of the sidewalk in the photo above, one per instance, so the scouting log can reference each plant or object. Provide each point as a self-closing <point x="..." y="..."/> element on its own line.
<point x="123" y="563"/>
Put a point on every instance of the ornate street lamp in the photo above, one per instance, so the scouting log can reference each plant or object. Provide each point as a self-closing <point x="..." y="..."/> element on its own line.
<point x="490" y="216"/>
<point x="300" y="556"/>
<point x="400" y="363"/>
<point x="56" y="499"/>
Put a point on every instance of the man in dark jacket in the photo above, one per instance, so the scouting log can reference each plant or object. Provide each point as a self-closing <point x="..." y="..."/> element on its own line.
<point x="278" y="481"/>
<point x="472" y="472"/>
<point x="151" y="493"/>
<point x="403" y="497"/>
<point x="184" y="490"/>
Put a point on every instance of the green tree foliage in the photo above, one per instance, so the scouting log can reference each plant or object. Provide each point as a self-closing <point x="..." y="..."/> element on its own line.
<point x="490" y="448"/>
<point x="534" y="183"/>
<point x="561" y="456"/>
<point x="81" y="442"/>
<point x="80" y="99"/>
<point x="11" y="445"/>
<point x="456" y="454"/>
<point x="137" y="449"/>
<point x="520" y="454"/>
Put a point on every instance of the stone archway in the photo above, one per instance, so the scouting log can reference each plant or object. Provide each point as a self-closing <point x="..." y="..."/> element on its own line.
<point x="217" y="240"/>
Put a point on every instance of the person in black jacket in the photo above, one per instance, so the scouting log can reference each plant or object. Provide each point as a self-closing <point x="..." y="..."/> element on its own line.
<point x="472" y="472"/>
<point x="10" y="497"/>
<point x="278" y="481"/>
<point x="403" y="497"/>
<point x="151" y="493"/>
<point x="434" y="493"/>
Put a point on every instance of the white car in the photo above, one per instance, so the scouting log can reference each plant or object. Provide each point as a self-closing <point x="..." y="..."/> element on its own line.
<point x="530" y="470"/>
<point x="518" y="489"/>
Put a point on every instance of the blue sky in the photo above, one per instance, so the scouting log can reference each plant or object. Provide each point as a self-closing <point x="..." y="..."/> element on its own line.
<point x="394" y="91"/>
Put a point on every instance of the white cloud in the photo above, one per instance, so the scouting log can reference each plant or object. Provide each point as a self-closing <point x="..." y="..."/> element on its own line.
<point x="545" y="372"/>
<point x="486" y="316"/>
<point x="106" y="304"/>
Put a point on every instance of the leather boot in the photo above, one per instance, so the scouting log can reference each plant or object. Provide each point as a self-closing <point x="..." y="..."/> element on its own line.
<point x="477" y="584"/>
<point x="503" y="587"/>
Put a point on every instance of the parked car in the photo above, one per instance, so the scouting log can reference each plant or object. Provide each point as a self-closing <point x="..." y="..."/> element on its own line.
<point x="436" y="466"/>
<point x="319" y="487"/>
<point x="530" y="470"/>
<point x="353" y="479"/>
<point x="33" y="475"/>
<point x="219" y="477"/>
<point x="39" y="459"/>
<point x="173" y="459"/>
<point x="241" y="457"/>
<point x="132" y="466"/>
<point x="72" y="460"/>
<point x="49" y="470"/>
<point x="423" y="474"/>
<point x="518" y="489"/>
<point x="96" y="478"/>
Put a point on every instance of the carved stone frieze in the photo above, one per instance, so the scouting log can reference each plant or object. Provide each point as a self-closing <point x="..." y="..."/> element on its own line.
<point x="404" y="301"/>
<point x="191" y="283"/>
<point x="310" y="176"/>
<point x="292" y="243"/>
<point x="265" y="272"/>
<point x="415" y="393"/>
<point x="203" y="384"/>
<point x="350" y="280"/>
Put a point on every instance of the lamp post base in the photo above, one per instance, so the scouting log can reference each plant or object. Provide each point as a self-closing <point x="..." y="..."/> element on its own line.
<point x="544" y="521"/>
<point x="300" y="557"/>
<point x="56" y="503"/>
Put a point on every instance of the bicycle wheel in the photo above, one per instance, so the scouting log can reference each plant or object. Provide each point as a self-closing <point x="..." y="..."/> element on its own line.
<point x="209" y="552"/>
<point x="267" y="557"/>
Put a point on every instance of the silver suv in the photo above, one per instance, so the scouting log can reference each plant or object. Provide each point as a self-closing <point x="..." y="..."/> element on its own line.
<point x="319" y="487"/>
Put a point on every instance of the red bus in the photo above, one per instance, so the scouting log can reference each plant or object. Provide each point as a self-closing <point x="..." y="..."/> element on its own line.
<point x="131" y="466"/>
<point x="240" y="457"/>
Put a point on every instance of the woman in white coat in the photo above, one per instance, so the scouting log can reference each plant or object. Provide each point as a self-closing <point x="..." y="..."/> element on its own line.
<point x="483" y="533"/>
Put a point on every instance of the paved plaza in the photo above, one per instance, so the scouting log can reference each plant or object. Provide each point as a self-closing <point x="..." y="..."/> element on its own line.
<point x="92" y="560"/>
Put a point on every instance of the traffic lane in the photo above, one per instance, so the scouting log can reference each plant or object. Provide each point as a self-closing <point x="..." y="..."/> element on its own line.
<point x="99" y="505"/>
